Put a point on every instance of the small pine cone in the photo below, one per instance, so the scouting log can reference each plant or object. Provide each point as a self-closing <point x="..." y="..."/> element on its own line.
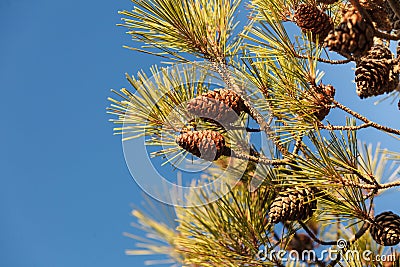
<point x="321" y="98"/>
<point x="300" y="242"/>
<point x="311" y="18"/>
<point x="206" y="144"/>
<point x="353" y="36"/>
<point x="221" y="105"/>
<point x="374" y="76"/>
<point x="292" y="204"/>
<point x="386" y="229"/>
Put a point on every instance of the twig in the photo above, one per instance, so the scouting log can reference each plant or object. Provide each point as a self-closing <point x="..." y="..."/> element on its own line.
<point x="316" y="239"/>
<point x="364" y="119"/>
<point x="371" y="186"/>
<point x="323" y="60"/>
<point x="344" y="128"/>
<point x="260" y="159"/>
<point x="386" y="36"/>
<point x="247" y="129"/>
<point x="359" y="234"/>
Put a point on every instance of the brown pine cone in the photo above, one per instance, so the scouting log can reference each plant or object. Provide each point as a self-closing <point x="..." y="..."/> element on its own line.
<point x="320" y="97"/>
<point x="206" y="144"/>
<point x="374" y="76"/>
<point x="292" y="204"/>
<point x="311" y="18"/>
<point x="353" y="36"/>
<point x="220" y="105"/>
<point x="377" y="10"/>
<point x="386" y="229"/>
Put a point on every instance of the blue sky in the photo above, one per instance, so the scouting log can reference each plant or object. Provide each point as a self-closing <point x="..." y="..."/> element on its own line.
<point x="65" y="191"/>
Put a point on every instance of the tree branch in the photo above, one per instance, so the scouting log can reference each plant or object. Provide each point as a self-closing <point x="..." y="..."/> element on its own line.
<point x="323" y="60"/>
<point x="364" y="119"/>
<point x="344" y="128"/>
<point x="386" y="36"/>
<point x="316" y="239"/>
<point x="376" y="186"/>
<point x="260" y="159"/>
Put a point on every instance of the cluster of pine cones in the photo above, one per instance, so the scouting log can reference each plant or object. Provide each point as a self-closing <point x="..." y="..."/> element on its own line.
<point x="353" y="38"/>
<point x="221" y="107"/>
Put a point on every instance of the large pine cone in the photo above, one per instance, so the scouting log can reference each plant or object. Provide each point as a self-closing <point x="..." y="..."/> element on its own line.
<point x="292" y="205"/>
<point x="386" y="229"/>
<point x="374" y="76"/>
<point x="353" y="36"/>
<point x="221" y="105"/>
<point x="206" y="144"/>
<point x="321" y="99"/>
<point x="311" y="18"/>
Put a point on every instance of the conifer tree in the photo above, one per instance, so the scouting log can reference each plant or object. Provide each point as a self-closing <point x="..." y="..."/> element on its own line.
<point x="290" y="180"/>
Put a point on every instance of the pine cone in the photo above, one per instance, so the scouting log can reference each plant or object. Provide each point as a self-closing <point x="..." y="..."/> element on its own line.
<point x="206" y="144"/>
<point x="386" y="229"/>
<point x="311" y="18"/>
<point x="353" y="36"/>
<point x="221" y="105"/>
<point x="292" y="204"/>
<point x="377" y="10"/>
<point x="374" y="76"/>
<point x="320" y="97"/>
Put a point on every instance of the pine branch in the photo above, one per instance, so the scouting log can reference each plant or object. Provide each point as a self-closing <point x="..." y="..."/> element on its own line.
<point x="316" y="239"/>
<point x="364" y="119"/>
<point x="370" y="186"/>
<point x="259" y="159"/>
<point x="323" y="60"/>
<point x="387" y="36"/>
<point x="344" y="128"/>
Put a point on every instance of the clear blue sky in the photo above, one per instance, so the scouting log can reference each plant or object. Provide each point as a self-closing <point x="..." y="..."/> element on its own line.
<point x="65" y="191"/>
